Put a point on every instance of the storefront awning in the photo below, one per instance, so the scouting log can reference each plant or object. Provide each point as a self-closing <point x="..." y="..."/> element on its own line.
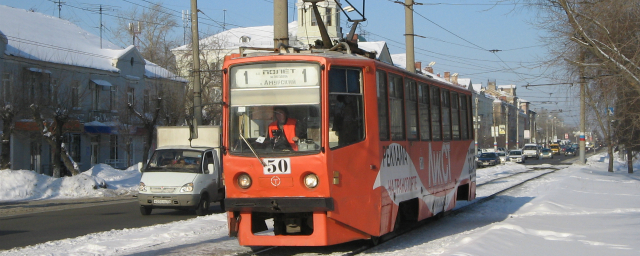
<point x="96" y="127"/>
<point x="101" y="82"/>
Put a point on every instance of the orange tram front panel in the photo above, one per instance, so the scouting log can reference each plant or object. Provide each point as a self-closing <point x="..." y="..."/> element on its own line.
<point x="363" y="187"/>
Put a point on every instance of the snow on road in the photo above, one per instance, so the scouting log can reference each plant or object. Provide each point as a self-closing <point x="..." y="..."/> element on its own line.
<point x="581" y="210"/>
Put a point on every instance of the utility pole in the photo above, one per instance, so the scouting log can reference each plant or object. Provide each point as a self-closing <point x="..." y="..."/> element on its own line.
<point x="59" y="2"/>
<point x="195" y="45"/>
<point x="224" y="20"/>
<point x="476" y="125"/>
<point x="506" y="131"/>
<point x="518" y="124"/>
<point x="583" y="145"/>
<point x="100" y="26"/>
<point x="185" y="25"/>
<point x="281" y="27"/>
<point x="408" y="33"/>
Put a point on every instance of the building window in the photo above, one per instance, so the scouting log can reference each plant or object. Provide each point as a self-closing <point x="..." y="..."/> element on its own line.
<point x="53" y="90"/>
<point x="75" y="96"/>
<point x="245" y="39"/>
<point x="113" y="143"/>
<point x="396" y="95"/>
<point x="383" y="113"/>
<point x="464" y="118"/>
<point x="130" y="94"/>
<point x="73" y="142"/>
<point x="455" y="121"/>
<point x="146" y="103"/>
<point x="113" y="95"/>
<point x="346" y="113"/>
<point x="446" y="115"/>
<point x="423" y="109"/>
<point x="412" y="109"/>
<point x="6" y="87"/>
<point x="436" y="131"/>
<point x="327" y="18"/>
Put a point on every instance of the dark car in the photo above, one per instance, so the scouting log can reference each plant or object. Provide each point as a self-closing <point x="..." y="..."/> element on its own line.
<point x="570" y="152"/>
<point x="488" y="159"/>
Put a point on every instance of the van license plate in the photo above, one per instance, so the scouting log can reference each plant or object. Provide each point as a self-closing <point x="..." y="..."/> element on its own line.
<point x="161" y="201"/>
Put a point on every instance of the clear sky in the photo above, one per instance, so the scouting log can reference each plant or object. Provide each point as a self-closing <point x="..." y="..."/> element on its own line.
<point x="459" y="36"/>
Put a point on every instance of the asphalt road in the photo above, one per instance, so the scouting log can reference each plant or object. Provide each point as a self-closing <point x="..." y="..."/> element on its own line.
<point x="38" y="227"/>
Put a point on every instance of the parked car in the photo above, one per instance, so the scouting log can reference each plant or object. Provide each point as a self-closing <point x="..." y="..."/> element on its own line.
<point x="516" y="156"/>
<point x="488" y="159"/>
<point x="503" y="156"/>
<point x="546" y="153"/>
<point x="570" y="152"/>
<point x="531" y="151"/>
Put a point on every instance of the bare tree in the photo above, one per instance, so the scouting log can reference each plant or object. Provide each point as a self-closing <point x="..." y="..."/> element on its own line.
<point x="8" y="114"/>
<point x="599" y="41"/>
<point x="154" y="36"/>
<point x="211" y="58"/>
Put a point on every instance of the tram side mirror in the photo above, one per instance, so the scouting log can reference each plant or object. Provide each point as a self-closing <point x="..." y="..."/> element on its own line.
<point x="210" y="168"/>
<point x="140" y="166"/>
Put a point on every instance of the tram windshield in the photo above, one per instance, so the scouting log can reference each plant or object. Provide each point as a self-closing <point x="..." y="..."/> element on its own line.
<point x="275" y="108"/>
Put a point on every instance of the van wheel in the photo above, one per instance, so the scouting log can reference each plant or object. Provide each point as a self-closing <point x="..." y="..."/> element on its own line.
<point x="203" y="207"/>
<point x="145" y="210"/>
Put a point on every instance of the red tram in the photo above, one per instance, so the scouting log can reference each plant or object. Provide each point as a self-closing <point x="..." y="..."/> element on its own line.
<point x="364" y="147"/>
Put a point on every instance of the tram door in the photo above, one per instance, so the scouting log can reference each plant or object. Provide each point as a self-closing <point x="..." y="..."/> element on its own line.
<point x="350" y="157"/>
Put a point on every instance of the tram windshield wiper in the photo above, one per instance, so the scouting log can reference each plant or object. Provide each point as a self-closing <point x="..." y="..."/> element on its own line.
<point x="248" y="144"/>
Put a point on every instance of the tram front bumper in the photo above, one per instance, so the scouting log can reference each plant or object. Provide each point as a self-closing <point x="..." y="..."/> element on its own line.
<point x="279" y="204"/>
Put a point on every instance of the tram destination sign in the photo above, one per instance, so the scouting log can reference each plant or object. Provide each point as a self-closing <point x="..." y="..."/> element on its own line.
<point x="269" y="75"/>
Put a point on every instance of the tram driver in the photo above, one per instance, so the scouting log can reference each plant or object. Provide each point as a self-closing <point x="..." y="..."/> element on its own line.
<point x="285" y="132"/>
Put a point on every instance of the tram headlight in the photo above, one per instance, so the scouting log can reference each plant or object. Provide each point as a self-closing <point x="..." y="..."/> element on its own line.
<point x="311" y="180"/>
<point x="244" y="181"/>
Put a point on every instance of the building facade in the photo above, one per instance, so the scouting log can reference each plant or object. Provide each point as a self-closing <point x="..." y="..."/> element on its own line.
<point x="61" y="69"/>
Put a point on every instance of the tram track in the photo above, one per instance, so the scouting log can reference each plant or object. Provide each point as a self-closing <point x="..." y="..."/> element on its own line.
<point x="357" y="247"/>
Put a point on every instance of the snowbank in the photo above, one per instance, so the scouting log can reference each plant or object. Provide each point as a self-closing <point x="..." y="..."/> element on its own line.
<point x="100" y="181"/>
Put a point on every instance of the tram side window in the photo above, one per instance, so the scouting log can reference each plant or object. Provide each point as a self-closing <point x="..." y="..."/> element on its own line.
<point x="396" y="107"/>
<point x="446" y="115"/>
<point x="346" y="113"/>
<point x="383" y="115"/>
<point x="412" y="112"/>
<point x="464" y="118"/>
<point x="455" y="116"/>
<point x="423" y="109"/>
<point x="436" y="131"/>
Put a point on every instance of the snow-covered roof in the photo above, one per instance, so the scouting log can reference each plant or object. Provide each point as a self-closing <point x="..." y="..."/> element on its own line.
<point x="261" y="36"/>
<point x="37" y="36"/>
<point x="477" y="87"/>
<point x="464" y="81"/>
<point x="400" y="60"/>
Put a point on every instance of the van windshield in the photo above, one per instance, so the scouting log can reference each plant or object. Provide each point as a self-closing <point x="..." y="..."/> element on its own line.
<point x="175" y="160"/>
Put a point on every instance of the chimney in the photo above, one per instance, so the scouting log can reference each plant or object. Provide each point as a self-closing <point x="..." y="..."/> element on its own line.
<point x="355" y="38"/>
<point x="429" y="69"/>
<point x="438" y="74"/>
<point x="454" y="78"/>
<point x="447" y="76"/>
<point x="419" y="65"/>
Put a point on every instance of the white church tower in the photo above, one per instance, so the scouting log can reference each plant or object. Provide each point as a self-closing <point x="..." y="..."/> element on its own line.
<point x="308" y="31"/>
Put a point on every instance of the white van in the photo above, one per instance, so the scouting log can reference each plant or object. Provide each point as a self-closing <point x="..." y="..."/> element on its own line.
<point x="183" y="176"/>
<point x="531" y="151"/>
